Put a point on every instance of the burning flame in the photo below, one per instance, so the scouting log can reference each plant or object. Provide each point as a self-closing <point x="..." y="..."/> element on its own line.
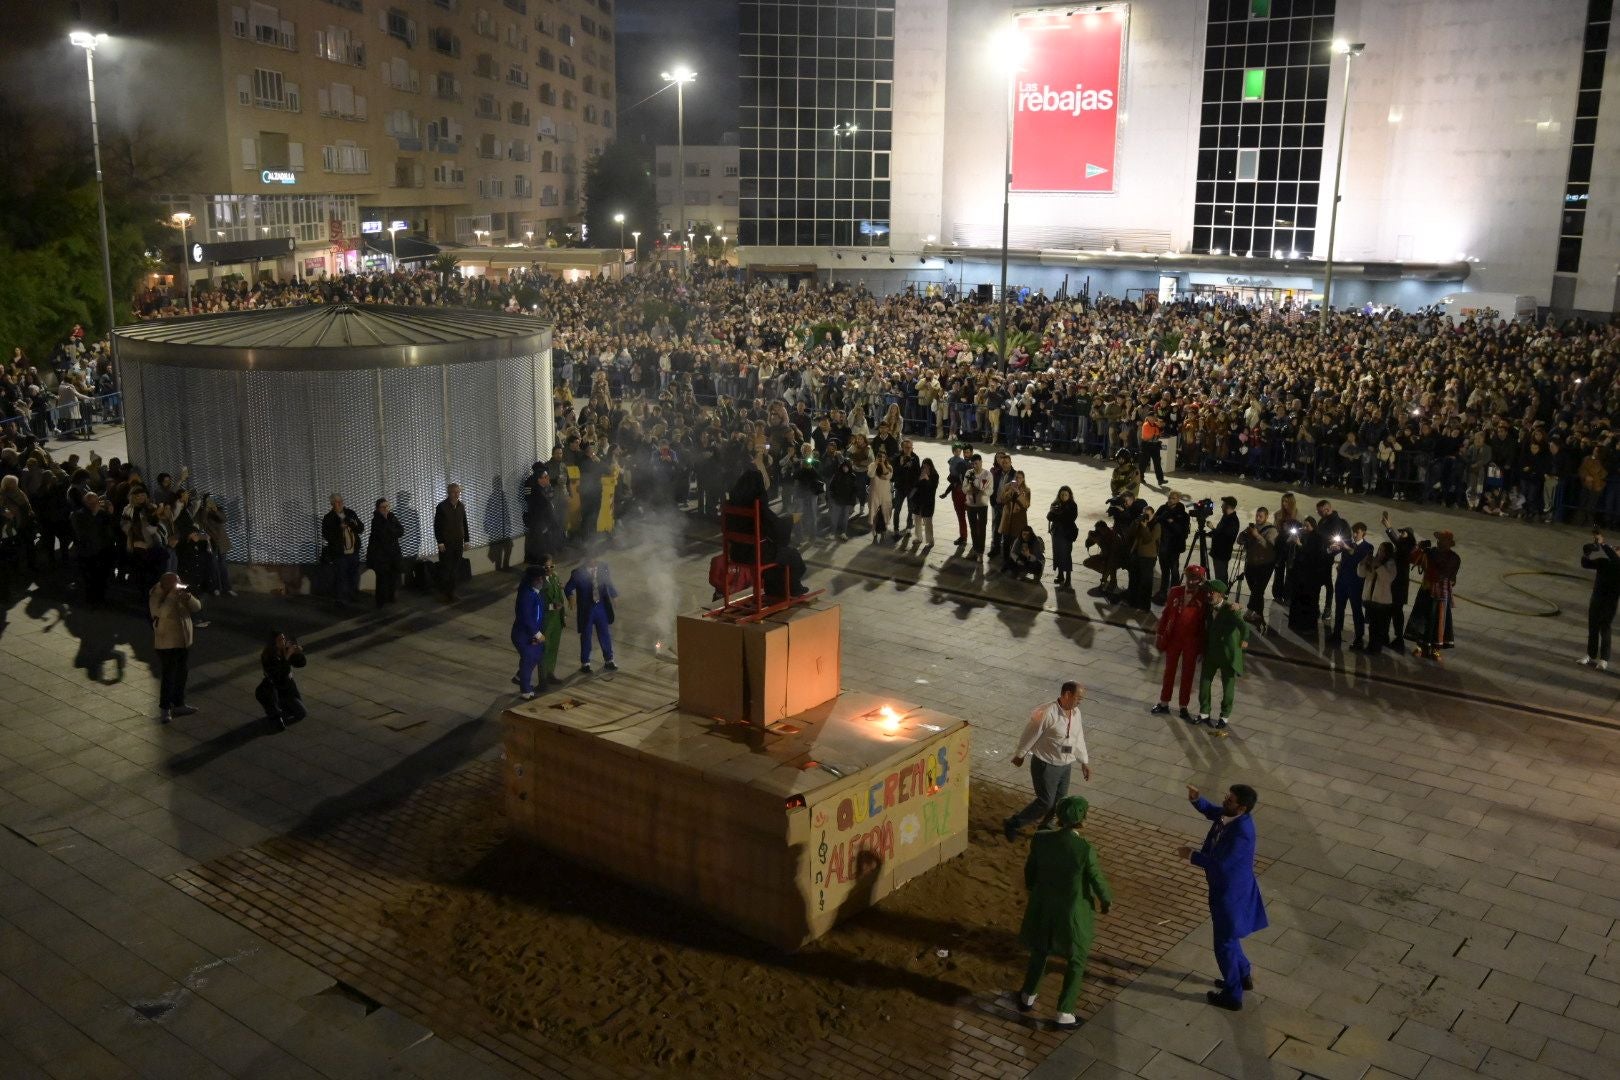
<point x="890" y="719"/>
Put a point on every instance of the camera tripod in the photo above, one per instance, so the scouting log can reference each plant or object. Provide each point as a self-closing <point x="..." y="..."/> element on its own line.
<point x="1200" y="544"/>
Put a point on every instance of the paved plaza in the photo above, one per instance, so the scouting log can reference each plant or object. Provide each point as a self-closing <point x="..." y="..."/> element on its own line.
<point x="1443" y="874"/>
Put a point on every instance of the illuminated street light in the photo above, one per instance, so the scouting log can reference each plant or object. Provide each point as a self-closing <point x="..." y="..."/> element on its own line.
<point x="88" y="42"/>
<point x="635" y="238"/>
<point x="182" y="219"/>
<point x="1349" y="50"/>
<point x="393" y="243"/>
<point x="618" y="219"/>
<point x="680" y="77"/>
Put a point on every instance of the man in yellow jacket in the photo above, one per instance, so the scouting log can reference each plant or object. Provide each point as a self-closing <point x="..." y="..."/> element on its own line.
<point x="1066" y="885"/>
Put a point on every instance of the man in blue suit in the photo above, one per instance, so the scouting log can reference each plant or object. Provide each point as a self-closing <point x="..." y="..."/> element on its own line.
<point x="591" y="593"/>
<point x="528" y="637"/>
<point x="1227" y="859"/>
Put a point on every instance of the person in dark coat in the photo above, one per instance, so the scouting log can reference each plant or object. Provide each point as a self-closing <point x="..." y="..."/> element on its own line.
<point x="277" y="692"/>
<point x="907" y="468"/>
<point x="1599" y="555"/>
<point x="920" y="503"/>
<point x="383" y="554"/>
<point x="1063" y="522"/>
<point x="1222" y="539"/>
<point x="528" y="629"/>
<point x="340" y="538"/>
<point x="1174" y="528"/>
<point x="1066" y="887"/>
<point x="1405" y="543"/>
<point x="451" y="533"/>
<point x="775" y="533"/>
<point x="95" y="538"/>
<point x="1227" y="860"/>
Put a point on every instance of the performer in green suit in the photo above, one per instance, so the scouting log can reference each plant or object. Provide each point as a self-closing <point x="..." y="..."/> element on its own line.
<point x="1066" y="885"/>
<point x="1226" y="635"/>
<point x="551" y="596"/>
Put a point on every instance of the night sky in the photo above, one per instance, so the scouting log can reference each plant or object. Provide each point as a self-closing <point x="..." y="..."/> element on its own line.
<point x="656" y="35"/>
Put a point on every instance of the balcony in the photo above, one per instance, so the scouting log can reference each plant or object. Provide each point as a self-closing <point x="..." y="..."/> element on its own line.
<point x="489" y="111"/>
<point x="281" y="36"/>
<point x="519" y="6"/>
<point x="408" y="142"/>
<point x="444" y="146"/>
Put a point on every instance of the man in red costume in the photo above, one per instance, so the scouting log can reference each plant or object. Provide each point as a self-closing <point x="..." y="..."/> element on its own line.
<point x="1180" y="636"/>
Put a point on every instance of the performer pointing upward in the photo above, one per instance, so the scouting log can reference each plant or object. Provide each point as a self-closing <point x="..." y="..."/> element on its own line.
<point x="1227" y="859"/>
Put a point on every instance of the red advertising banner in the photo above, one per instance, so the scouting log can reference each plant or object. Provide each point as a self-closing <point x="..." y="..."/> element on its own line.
<point x="1066" y="101"/>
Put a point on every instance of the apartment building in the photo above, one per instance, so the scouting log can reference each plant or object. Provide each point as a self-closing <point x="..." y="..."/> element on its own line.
<point x="709" y="188"/>
<point x="325" y="122"/>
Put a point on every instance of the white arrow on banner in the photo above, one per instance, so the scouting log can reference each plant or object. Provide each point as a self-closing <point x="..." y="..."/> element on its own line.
<point x="1094" y="170"/>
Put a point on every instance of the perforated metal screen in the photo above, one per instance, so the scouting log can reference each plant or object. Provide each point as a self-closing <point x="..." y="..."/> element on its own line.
<point x="272" y="446"/>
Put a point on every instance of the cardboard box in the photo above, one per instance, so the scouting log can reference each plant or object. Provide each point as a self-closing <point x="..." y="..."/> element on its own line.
<point x="760" y="672"/>
<point x="727" y="818"/>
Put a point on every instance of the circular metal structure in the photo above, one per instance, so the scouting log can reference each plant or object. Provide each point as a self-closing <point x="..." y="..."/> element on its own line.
<point x="275" y="411"/>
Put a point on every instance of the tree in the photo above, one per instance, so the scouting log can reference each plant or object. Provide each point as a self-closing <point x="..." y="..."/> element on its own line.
<point x="50" y="244"/>
<point x="618" y="181"/>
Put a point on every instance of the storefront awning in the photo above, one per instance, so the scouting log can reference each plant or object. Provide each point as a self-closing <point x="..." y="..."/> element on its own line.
<point x="409" y="249"/>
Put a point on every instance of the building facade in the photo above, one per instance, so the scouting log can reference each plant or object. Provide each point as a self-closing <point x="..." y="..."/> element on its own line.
<point x="1476" y="156"/>
<point x="327" y="121"/>
<point x="710" y="189"/>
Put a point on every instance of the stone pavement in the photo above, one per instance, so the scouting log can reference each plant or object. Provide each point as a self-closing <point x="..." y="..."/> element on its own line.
<point x="1443" y="894"/>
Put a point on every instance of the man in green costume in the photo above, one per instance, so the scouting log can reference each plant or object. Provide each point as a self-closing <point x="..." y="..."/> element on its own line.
<point x="1226" y="635"/>
<point x="1066" y="885"/>
<point x="551" y="597"/>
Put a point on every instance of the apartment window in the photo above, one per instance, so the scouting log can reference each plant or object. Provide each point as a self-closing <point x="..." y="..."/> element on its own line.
<point x="731" y="170"/>
<point x="443" y="41"/>
<point x="269" y="91"/>
<point x="518" y="113"/>
<point x="516" y="75"/>
<point x="484" y="66"/>
<point x="447" y="175"/>
<point x="548" y="96"/>
<point x="340" y="46"/>
<point x="548" y="161"/>
<point x="519" y="150"/>
<point x="807" y="66"/>
<point x="263" y="24"/>
<point x="486" y="108"/>
<point x="590" y="114"/>
<point x="588" y="25"/>
<point x="516" y="38"/>
<point x="546" y="61"/>
<point x="488" y="146"/>
<point x="275" y="151"/>
<point x="341" y="101"/>
<point x="484" y="24"/>
<point x="548" y="196"/>
<point x="402" y="124"/>
<point x="447" y="87"/>
<point x="565" y="66"/>
<point x="569" y="101"/>
<point x="345" y="157"/>
<point x="565" y="34"/>
<point x="396" y="24"/>
<point x="1261" y="127"/>
<point x="401" y="76"/>
<point x="521" y="187"/>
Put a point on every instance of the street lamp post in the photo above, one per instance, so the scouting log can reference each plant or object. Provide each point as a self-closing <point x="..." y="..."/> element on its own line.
<point x="1010" y="47"/>
<point x="618" y="219"/>
<point x="1349" y="50"/>
<point x="635" y="238"/>
<point x="393" y="243"/>
<point x="182" y="219"/>
<point x="680" y="77"/>
<point x="88" y="42"/>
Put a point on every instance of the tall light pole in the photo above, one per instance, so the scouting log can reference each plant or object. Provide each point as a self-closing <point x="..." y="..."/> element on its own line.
<point x="1010" y="48"/>
<point x="87" y="41"/>
<point x="1349" y="50"/>
<point x="182" y="219"/>
<point x="635" y="238"/>
<point x="393" y="243"/>
<point x="618" y="219"/>
<point x="680" y="77"/>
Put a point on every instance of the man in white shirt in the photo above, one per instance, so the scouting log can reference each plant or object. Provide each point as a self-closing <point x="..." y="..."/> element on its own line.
<point x="1053" y="741"/>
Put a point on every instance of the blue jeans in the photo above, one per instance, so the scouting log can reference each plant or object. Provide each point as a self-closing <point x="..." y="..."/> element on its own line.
<point x="1051" y="785"/>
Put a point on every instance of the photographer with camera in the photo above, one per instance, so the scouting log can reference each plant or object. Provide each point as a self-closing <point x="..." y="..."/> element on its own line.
<point x="1600" y="556"/>
<point x="277" y="692"/>
<point x="1174" y="526"/>
<point x="1142" y="554"/>
<point x="171" y="607"/>
<point x="1259" y="543"/>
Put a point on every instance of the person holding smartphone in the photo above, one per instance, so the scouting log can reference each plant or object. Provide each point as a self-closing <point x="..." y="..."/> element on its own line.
<point x="1600" y="556"/>
<point x="277" y="691"/>
<point x="172" y="606"/>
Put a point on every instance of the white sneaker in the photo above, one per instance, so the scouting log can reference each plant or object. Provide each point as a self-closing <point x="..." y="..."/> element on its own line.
<point x="1586" y="661"/>
<point x="1067" y="1020"/>
<point x="1603" y="665"/>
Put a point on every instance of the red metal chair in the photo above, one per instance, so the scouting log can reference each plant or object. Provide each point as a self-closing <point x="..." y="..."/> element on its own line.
<point x="740" y="525"/>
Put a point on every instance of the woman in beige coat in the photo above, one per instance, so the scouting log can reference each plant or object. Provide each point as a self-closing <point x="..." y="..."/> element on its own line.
<point x="1014" y="500"/>
<point x="172" y="606"/>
